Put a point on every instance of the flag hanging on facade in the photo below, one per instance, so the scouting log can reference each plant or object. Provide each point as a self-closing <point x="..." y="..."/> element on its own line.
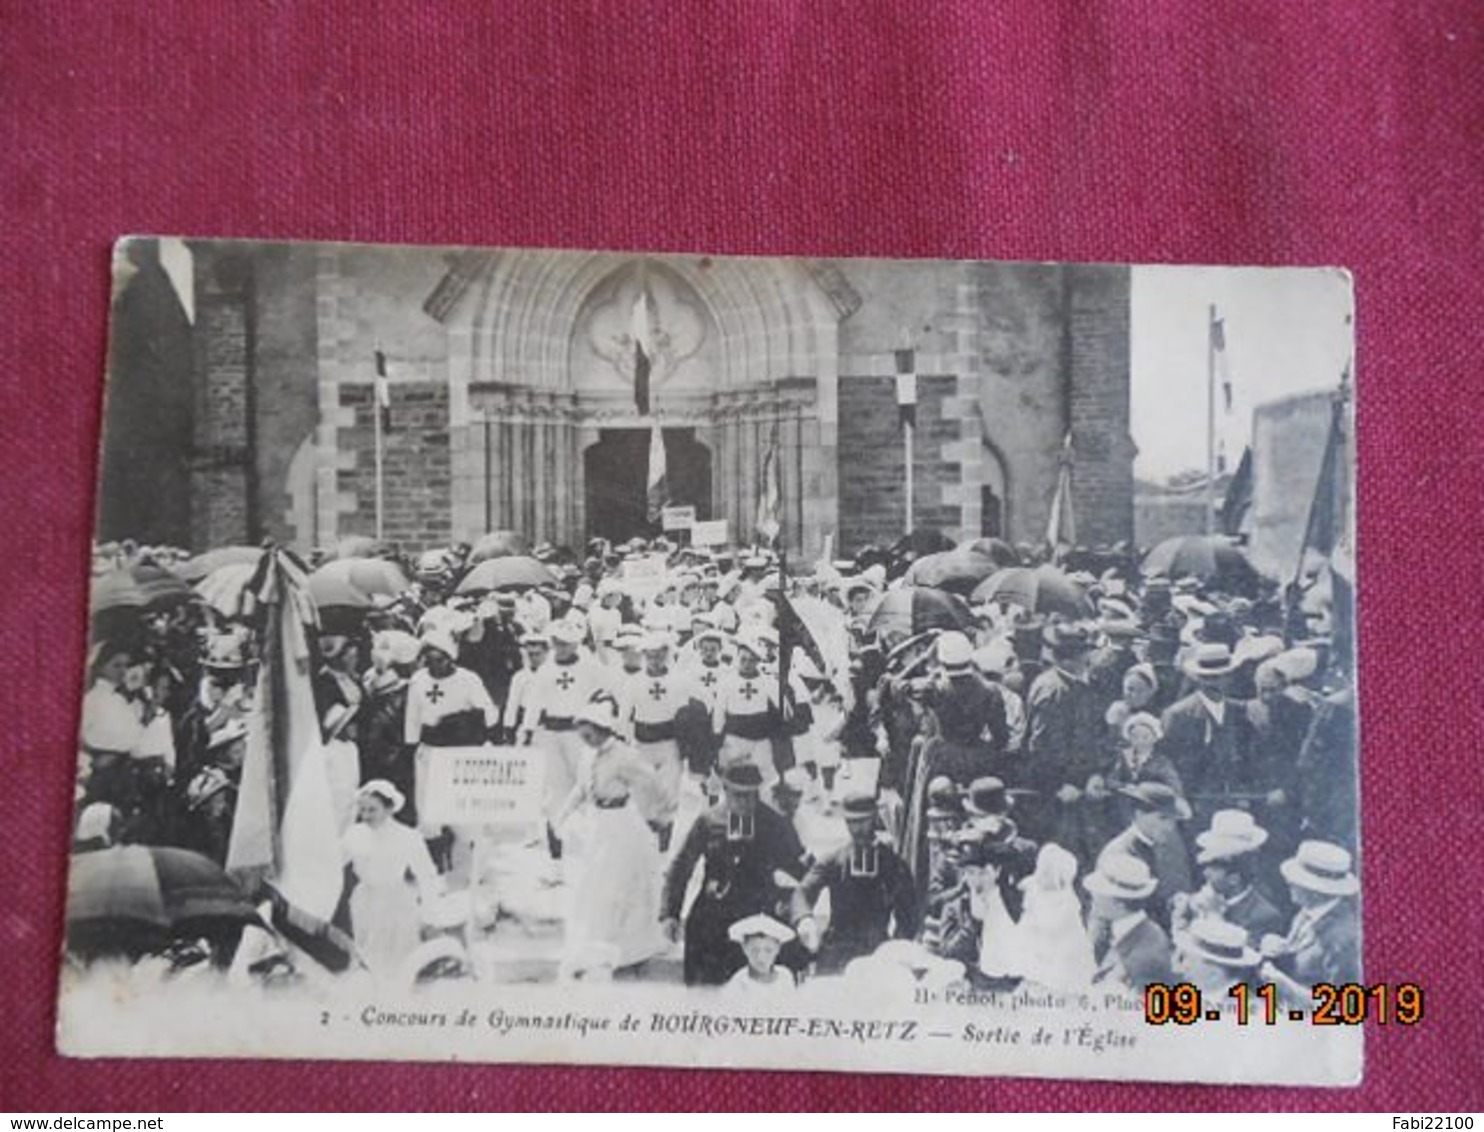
<point x="642" y="330"/>
<point x="1061" y="528"/>
<point x="658" y="492"/>
<point x="284" y="830"/>
<point x="383" y="392"/>
<point x="768" y="526"/>
<point x="907" y="386"/>
<point x="1218" y="353"/>
<point x="1329" y="511"/>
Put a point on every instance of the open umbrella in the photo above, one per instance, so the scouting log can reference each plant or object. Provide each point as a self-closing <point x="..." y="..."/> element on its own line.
<point x="1041" y="589"/>
<point x="143" y="585"/>
<point x="498" y="544"/>
<point x="914" y="609"/>
<point x="194" y="569"/>
<point x="351" y="583"/>
<point x="153" y="886"/>
<point x="224" y="588"/>
<point x="515" y="572"/>
<point x="1210" y="558"/>
<point x="964" y="567"/>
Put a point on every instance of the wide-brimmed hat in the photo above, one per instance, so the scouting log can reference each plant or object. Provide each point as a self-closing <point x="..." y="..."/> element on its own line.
<point x="1068" y="638"/>
<point x="759" y="924"/>
<point x="1145" y="720"/>
<point x="599" y="712"/>
<point x="996" y="658"/>
<point x="1209" y="661"/>
<point x="743" y="776"/>
<point x="385" y="791"/>
<point x="535" y="638"/>
<point x="224" y="651"/>
<point x="401" y="646"/>
<point x="1217" y="941"/>
<point x="750" y="640"/>
<point x="955" y="651"/>
<point x="655" y="641"/>
<point x="441" y="640"/>
<point x="1321" y="867"/>
<point x="995" y="829"/>
<point x="566" y="631"/>
<point x="1233" y="833"/>
<point x="858" y="806"/>
<point x="943" y="798"/>
<point x="1122" y="877"/>
<point x="1158" y="797"/>
<point x="987" y="797"/>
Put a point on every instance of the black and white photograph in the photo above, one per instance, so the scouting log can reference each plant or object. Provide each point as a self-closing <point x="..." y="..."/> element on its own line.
<point x="917" y="666"/>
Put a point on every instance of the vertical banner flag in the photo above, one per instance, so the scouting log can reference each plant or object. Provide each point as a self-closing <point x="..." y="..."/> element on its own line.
<point x="1218" y="351"/>
<point x="658" y="493"/>
<point x="642" y="331"/>
<point x="1061" y="528"/>
<point x="907" y="386"/>
<point x="383" y="392"/>
<point x="284" y="830"/>
<point x="767" y="505"/>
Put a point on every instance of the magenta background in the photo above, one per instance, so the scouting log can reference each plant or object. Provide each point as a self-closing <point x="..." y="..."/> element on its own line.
<point x="1244" y="132"/>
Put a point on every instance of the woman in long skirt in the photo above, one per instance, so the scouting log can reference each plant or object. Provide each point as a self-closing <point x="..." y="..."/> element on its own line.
<point x="394" y="875"/>
<point x="614" y="876"/>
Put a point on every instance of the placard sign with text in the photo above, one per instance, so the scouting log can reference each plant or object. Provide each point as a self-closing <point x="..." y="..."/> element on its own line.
<point x="712" y="532"/>
<point x="482" y="785"/>
<point x="678" y="518"/>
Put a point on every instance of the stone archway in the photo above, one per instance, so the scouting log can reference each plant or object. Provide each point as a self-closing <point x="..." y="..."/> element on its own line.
<point x="615" y="475"/>
<point x="539" y="362"/>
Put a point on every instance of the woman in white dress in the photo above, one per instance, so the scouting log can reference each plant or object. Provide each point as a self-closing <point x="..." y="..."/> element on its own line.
<point x="614" y="874"/>
<point x="394" y="876"/>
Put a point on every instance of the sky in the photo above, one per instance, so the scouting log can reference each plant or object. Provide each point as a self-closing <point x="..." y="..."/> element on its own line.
<point x="1287" y="331"/>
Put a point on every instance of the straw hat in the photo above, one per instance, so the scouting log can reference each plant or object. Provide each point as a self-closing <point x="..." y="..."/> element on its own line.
<point x="1321" y="867"/>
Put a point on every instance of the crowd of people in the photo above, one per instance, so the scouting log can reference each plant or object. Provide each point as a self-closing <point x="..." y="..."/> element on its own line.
<point x="1154" y="784"/>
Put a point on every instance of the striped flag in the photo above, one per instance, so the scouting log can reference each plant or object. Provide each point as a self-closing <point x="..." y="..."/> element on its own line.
<point x="284" y="830"/>
<point x="658" y="493"/>
<point x="907" y="386"/>
<point x="1061" y="528"/>
<point x="1223" y="366"/>
<point x="642" y="330"/>
<point x="768" y="526"/>
<point x="383" y="392"/>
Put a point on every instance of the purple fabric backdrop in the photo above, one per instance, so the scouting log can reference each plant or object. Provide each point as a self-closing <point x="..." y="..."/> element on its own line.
<point x="1322" y="133"/>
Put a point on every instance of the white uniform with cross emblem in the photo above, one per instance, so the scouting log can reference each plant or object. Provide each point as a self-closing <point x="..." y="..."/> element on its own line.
<point x="556" y="693"/>
<point x="652" y="703"/>
<point x="746" y="716"/>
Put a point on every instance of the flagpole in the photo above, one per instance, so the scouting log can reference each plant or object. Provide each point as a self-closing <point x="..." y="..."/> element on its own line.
<point x="376" y="393"/>
<point x="1211" y="420"/>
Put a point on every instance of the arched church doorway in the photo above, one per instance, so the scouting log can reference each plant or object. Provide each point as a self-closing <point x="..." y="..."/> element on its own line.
<point x="616" y="473"/>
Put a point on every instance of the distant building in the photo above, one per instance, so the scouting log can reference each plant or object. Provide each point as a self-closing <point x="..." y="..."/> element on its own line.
<point x="512" y="403"/>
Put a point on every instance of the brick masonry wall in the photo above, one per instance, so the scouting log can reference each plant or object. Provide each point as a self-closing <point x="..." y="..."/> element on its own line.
<point x="872" y="483"/>
<point x="220" y="510"/>
<point x="416" y="469"/>
<point x="1098" y="357"/>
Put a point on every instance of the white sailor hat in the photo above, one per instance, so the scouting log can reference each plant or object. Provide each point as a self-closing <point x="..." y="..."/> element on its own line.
<point x="759" y="924"/>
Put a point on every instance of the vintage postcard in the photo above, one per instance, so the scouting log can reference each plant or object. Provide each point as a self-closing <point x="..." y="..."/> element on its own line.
<point x="598" y="657"/>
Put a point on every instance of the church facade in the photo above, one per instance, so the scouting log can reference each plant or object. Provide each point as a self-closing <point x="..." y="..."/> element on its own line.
<point x="512" y="404"/>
